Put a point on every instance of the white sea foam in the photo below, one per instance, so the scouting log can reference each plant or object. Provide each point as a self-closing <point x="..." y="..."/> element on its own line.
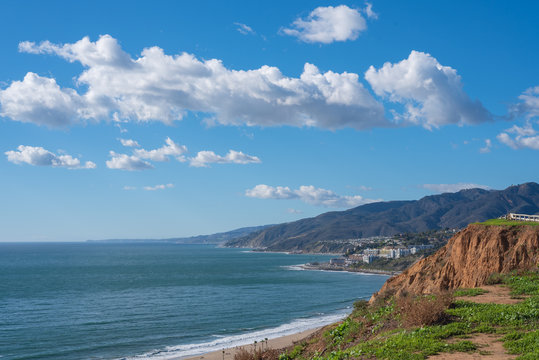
<point x="302" y="267"/>
<point x="299" y="267"/>
<point x="188" y="350"/>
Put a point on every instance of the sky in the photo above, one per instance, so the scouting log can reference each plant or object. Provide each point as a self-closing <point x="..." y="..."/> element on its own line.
<point x="131" y="119"/>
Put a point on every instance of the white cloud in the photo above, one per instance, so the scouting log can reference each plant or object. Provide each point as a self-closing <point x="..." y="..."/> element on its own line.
<point x="41" y="101"/>
<point x="40" y="157"/>
<point x="328" y="24"/>
<point x="529" y="105"/>
<point x="244" y="29"/>
<point x="369" y="12"/>
<point x="450" y="188"/>
<point x="158" y="187"/>
<point x="204" y="158"/>
<point x="308" y="194"/>
<point x="523" y="137"/>
<point x="129" y="143"/>
<point x="126" y="162"/>
<point x="129" y="188"/>
<point x="163" y="153"/>
<point x="431" y="93"/>
<point x="486" y="148"/>
<point x="160" y="87"/>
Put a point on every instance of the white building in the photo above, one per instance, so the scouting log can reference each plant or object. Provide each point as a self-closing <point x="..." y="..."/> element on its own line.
<point x="523" y="217"/>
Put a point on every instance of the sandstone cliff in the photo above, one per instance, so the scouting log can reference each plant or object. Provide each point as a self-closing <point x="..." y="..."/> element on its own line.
<point x="468" y="259"/>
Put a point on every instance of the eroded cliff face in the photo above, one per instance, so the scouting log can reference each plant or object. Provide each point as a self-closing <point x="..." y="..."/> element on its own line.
<point x="468" y="259"/>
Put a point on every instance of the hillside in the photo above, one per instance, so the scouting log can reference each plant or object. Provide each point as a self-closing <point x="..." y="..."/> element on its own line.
<point x="217" y="239"/>
<point x="468" y="260"/>
<point x="440" y="308"/>
<point x="449" y="210"/>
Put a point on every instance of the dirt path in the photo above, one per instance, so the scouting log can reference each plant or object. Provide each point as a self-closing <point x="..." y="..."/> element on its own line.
<point x="490" y="348"/>
<point x="497" y="294"/>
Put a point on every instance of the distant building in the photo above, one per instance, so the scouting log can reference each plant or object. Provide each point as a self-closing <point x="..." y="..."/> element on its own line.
<point x="369" y="258"/>
<point x="416" y="248"/>
<point x="371" y="251"/>
<point x="523" y="217"/>
<point x="337" y="261"/>
<point x="402" y="252"/>
<point x="355" y="258"/>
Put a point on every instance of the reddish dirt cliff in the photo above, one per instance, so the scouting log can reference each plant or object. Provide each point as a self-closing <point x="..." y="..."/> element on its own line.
<point x="468" y="259"/>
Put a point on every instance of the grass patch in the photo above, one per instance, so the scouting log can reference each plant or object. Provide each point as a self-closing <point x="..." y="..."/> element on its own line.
<point x="414" y="328"/>
<point x="504" y="222"/>
<point x="469" y="292"/>
<point x="523" y="343"/>
<point x="526" y="283"/>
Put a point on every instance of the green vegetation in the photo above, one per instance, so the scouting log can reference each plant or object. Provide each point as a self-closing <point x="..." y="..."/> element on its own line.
<point x="469" y="292"/>
<point x="505" y="222"/>
<point x="399" y="264"/>
<point x="524" y="284"/>
<point x="413" y="328"/>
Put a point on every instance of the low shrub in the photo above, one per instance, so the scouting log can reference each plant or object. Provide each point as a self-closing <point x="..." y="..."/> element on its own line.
<point x="424" y="310"/>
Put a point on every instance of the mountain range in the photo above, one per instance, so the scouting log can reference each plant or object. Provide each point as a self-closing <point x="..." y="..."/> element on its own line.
<point x="217" y="239"/>
<point x="448" y="210"/>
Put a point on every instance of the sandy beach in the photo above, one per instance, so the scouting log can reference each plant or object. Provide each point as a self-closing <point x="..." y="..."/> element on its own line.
<point x="276" y="343"/>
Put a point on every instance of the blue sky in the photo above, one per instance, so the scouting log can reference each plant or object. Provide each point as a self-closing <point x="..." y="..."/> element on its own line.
<point x="133" y="120"/>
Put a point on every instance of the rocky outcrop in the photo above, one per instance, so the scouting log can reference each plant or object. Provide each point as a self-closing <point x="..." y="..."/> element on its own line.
<point x="468" y="260"/>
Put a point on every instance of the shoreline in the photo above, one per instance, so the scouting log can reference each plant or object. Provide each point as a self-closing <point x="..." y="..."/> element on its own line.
<point x="341" y="269"/>
<point x="278" y="343"/>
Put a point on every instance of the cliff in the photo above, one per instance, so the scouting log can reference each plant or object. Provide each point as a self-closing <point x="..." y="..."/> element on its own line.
<point x="468" y="259"/>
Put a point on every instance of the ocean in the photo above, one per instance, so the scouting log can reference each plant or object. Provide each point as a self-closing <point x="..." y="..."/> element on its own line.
<point x="160" y="301"/>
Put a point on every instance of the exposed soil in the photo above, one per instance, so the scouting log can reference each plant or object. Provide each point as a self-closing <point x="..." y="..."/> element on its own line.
<point x="468" y="260"/>
<point x="497" y="294"/>
<point x="490" y="346"/>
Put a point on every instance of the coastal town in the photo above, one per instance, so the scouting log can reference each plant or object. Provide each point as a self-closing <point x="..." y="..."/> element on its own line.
<point x="386" y="254"/>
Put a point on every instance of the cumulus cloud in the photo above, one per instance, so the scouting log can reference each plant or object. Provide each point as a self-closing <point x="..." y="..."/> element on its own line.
<point x="431" y="93"/>
<point x="529" y="105"/>
<point x="328" y="24"/>
<point x="486" y="148"/>
<point x="244" y="29"/>
<point x="38" y="156"/>
<point x="158" y="187"/>
<point x="129" y="143"/>
<point x="40" y="100"/>
<point x="159" y="87"/>
<point x="518" y="137"/>
<point x="308" y="194"/>
<point x="162" y="154"/>
<point x="204" y="158"/>
<point x="127" y="162"/>
<point x="450" y="188"/>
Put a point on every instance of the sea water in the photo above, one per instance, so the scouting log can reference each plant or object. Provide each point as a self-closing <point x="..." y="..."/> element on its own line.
<point x="160" y="301"/>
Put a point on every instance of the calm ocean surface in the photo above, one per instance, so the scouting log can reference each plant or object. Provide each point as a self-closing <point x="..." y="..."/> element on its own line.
<point x="159" y="301"/>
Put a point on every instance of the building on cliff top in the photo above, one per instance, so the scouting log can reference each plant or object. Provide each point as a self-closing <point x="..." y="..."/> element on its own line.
<point x="522" y="217"/>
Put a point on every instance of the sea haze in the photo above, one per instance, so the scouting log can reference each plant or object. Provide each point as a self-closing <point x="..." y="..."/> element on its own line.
<point x="108" y="301"/>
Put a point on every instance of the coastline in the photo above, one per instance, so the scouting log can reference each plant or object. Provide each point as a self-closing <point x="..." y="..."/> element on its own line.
<point x="277" y="343"/>
<point x="342" y="269"/>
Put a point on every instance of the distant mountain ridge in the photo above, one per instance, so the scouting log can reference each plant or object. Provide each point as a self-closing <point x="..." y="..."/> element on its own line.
<point x="448" y="210"/>
<point x="216" y="239"/>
